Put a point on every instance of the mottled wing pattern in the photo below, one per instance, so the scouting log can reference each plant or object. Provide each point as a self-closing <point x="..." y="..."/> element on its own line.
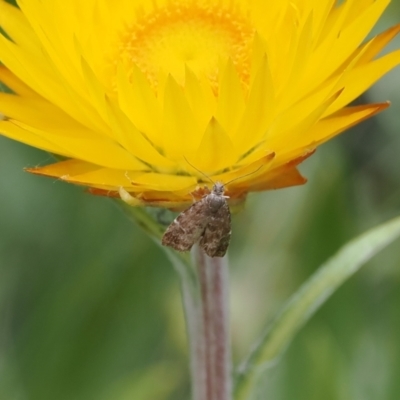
<point x="215" y="240"/>
<point x="187" y="228"/>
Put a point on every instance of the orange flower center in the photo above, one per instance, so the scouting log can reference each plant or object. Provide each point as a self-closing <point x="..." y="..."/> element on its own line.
<point x="198" y="36"/>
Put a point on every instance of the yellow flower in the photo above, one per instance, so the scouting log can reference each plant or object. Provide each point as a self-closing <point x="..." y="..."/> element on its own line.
<point x="145" y="94"/>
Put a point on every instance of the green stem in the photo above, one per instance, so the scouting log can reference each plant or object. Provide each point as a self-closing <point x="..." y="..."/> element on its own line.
<point x="144" y="220"/>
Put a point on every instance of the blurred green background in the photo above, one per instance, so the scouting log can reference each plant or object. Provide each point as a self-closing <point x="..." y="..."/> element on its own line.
<point x="90" y="308"/>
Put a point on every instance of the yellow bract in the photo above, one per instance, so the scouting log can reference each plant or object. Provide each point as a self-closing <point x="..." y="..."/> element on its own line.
<point x="149" y="96"/>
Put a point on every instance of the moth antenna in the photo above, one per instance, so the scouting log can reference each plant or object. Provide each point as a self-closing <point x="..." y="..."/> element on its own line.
<point x="240" y="177"/>
<point x="198" y="170"/>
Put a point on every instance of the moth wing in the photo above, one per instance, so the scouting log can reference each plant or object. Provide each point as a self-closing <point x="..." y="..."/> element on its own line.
<point x="187" y="228"/>
<point x="217" y="234"/>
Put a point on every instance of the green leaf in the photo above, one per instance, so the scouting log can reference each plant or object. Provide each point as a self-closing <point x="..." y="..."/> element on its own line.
<point x="307" y="300"/>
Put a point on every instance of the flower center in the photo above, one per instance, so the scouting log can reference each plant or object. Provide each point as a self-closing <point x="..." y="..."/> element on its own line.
<point x="188" y="34"/>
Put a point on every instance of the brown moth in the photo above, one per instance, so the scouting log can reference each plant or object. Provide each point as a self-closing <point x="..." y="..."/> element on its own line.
<point x="207" y="221"/>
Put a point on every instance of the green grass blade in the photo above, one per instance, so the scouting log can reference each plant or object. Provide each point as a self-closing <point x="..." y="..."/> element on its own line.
<point x="307" y="300"/>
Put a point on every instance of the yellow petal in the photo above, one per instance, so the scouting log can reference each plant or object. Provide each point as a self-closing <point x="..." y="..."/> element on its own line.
<point x="15" y="84"/>
<point x="14" y="23"/>
<point x="200" y="98"/>
<point x="13" y="131"/>
<point x="259" y="110"/>
<point x="138" y="102"/>
<point x="134" y="141"/>
<point x="181" y="134"/>
<point x="370" y="73"/>
<point x="228" y="112"/>
<point x="296" y="120"/>
<point x="47" y="82"/>
<point x="64" y="169"/>
<point x="37" y="112"/>
<point x="216" y="150"/>
<point x="341" y="120"/>
<point x="251" y="171"/>
<point x="81" y="144"/>
<point x="282" y="179"/>
<point x="163" y="182"/>
<point x="377" y="44"/>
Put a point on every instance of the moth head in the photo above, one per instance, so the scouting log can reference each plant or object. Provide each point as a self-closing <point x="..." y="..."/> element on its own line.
<point x="218" y="188"/>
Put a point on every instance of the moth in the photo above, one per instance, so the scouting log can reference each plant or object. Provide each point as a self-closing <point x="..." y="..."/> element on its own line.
<point x="207" y="221"/>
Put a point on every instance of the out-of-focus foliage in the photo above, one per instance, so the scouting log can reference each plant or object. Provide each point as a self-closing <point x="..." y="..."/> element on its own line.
<point x="89" y="306"/>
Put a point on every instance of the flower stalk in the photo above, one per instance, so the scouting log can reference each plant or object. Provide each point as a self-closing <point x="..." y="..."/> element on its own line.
<point x="216" y="357"/>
